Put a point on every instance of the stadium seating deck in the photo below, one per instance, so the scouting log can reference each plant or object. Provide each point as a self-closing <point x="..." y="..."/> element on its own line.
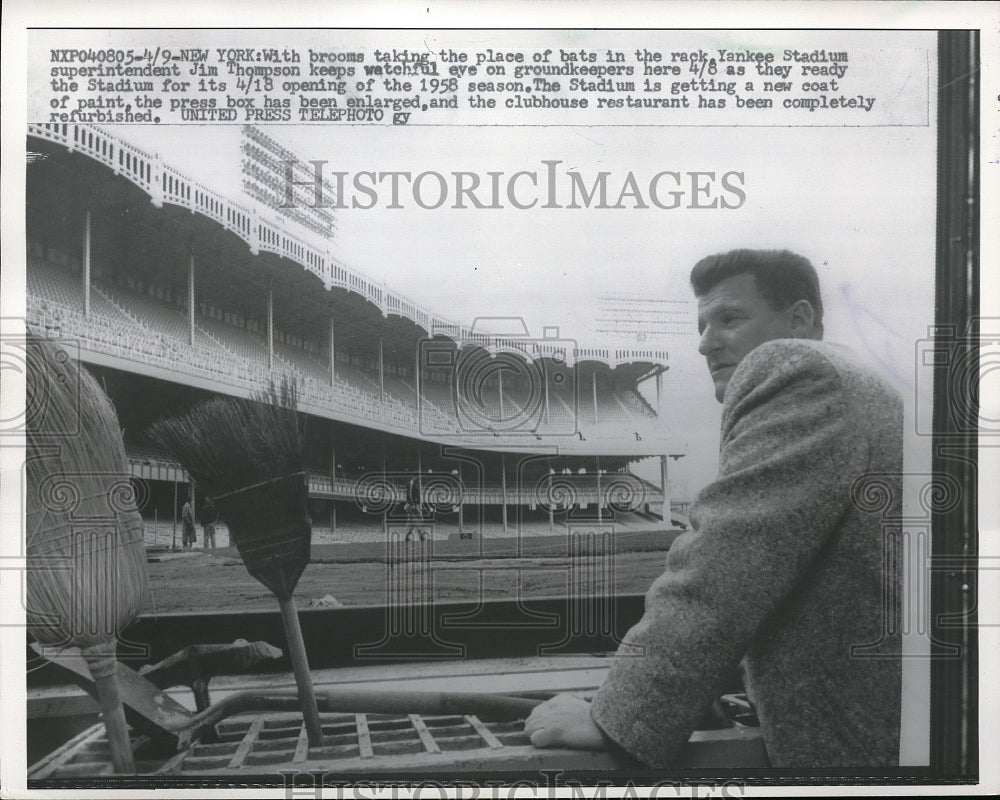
<point x="304" y="362"/>
<point x="56" y="284"/>
<point x="134" y="325"/>
<point x="153" y="314"/>
<point x="239" y="342"/>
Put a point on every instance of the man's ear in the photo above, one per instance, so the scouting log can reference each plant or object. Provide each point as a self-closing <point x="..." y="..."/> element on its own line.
<point x="802" y="320"/>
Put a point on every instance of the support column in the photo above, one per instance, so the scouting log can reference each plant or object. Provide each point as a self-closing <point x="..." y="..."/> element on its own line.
<point x="191" y="299"/>
<point x="659" y="393"/>
<point x="381" y="372"/>
<point x="385" y="518"/>
<point x="461" y="501"/>
<point x="333" y="488"/>
<point x="385" y="514"/>
<point x="545" y="408"/>
<point x="503" y="491"/>
<point x="194" y="514"/>
<point x="665" y="486"/>
<point x="593" y="386"/>
<point x="420" y="493"/>
<point x="333" y="355"/>
<point x="86" y="264"/>
<point x="551" y="504"/>
<point x="500" y="391"/>
<point x="173" y="532"/>
<point x="600" y="512"/>
<point x="270" y="326"/>
<point x="416" y="382"/>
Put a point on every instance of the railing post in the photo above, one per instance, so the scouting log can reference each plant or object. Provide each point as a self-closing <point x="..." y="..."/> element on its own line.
<point x="254" y="232"/>
<point x="156" y="181"/>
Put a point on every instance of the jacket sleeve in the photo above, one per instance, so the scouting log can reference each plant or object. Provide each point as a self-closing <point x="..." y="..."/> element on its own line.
<point x="789" y="453"/>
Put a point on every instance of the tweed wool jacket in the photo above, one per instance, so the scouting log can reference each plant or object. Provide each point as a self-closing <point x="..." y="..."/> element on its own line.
<point x="787" y="566"/>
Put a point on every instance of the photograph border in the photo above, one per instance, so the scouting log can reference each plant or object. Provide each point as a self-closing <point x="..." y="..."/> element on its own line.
<point x="955" y="567"/>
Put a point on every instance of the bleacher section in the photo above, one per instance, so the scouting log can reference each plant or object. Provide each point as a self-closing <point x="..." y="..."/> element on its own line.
<point x="437" y="408"/>
<point x="137" y="326"/>
<point x="56" y="284"/>
<point x="623" y="490"/>
<point x="116" y="335"/>
<point x="400" y="391"/>
<point x="156" y="316"/>
<point x="304" y="362"/>
<point x="237" y="341"/>
<point x="635" y="404"/>
<point x="354" y="376"/>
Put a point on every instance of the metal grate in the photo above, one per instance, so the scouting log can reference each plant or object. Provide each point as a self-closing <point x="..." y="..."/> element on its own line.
<point x="249" y="743"/>
<point x="374" y="743"/>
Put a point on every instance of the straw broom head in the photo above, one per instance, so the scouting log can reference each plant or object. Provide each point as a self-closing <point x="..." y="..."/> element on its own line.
<point x="247" y="456"/>
<point x="86" y="562"/>
<point x="229" y="443"/>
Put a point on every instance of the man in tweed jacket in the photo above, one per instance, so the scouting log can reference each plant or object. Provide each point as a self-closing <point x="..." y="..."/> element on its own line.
<point x="785" y="566"/>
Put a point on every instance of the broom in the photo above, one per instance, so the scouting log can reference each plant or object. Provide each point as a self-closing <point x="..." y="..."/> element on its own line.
<point x="247" y="456"/>
<point x="86" y="563"/>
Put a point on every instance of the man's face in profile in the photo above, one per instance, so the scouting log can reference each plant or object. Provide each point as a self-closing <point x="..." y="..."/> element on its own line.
<point x="733" y="319"/>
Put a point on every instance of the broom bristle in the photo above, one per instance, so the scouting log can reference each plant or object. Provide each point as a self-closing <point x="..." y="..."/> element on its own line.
<point x="87" y="577"/>
<point x="228" y="443"/>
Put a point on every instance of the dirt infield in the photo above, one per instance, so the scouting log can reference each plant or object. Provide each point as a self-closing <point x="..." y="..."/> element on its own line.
<point x="218" y="581"/>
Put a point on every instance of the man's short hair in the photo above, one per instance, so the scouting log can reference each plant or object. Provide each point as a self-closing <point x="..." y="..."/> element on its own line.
<point x="782" y="277"/>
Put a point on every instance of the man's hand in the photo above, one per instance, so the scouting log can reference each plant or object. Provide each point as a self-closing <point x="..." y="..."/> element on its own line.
<point x="564" y="721"/>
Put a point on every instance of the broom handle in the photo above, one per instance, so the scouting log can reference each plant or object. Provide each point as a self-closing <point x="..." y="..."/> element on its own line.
<point x="103" y="668"/>
<point x="300" y="665"/>
<point x="114" y="722"/>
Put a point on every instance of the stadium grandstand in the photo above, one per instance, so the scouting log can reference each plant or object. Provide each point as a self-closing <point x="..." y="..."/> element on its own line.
<point x="172" y="293"/>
